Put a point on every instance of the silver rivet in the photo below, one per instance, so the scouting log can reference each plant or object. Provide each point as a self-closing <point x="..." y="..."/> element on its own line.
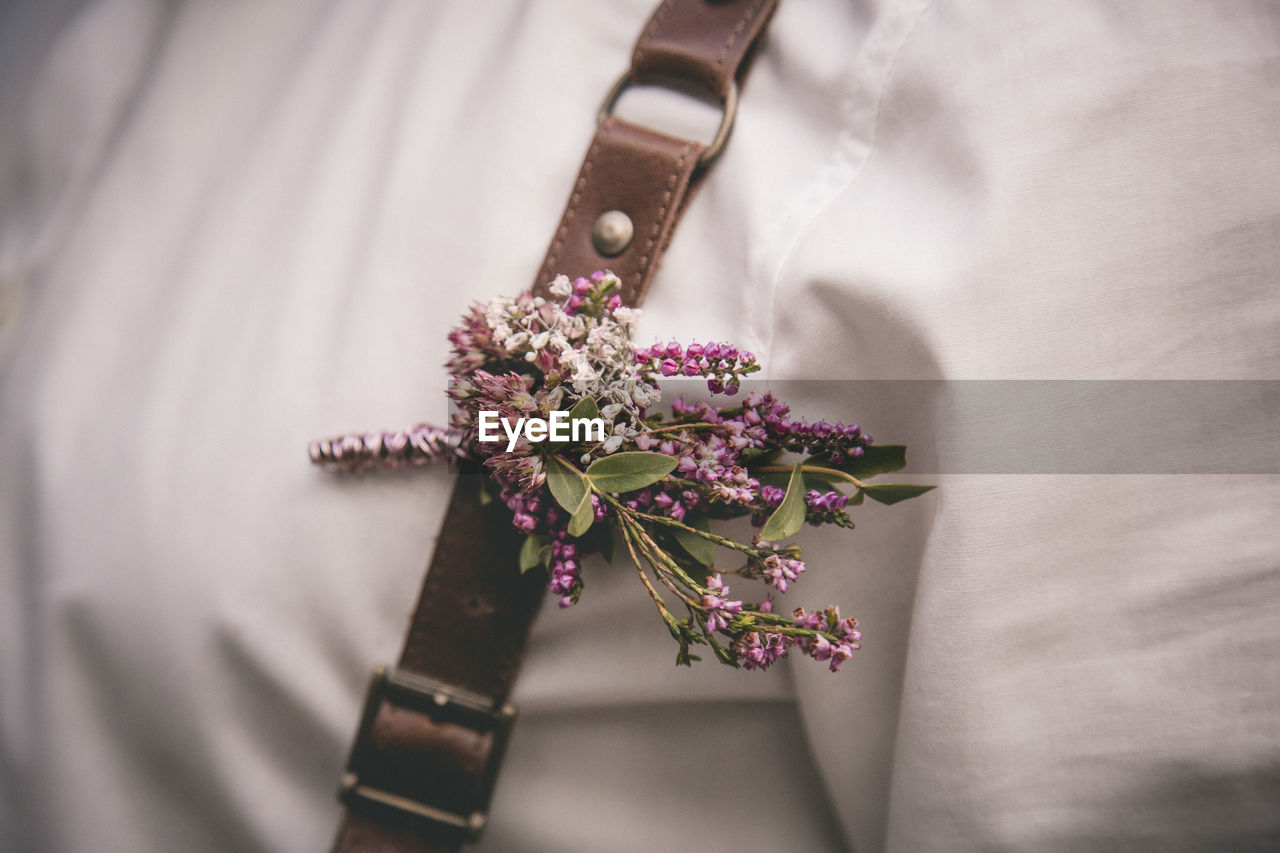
<point x="612" y="233"/>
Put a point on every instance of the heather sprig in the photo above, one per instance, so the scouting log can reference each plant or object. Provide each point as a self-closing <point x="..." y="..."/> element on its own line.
<point x="654" y="483"/>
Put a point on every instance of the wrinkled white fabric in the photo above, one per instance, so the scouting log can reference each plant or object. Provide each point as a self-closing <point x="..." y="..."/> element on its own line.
<point x="230" y="228"/>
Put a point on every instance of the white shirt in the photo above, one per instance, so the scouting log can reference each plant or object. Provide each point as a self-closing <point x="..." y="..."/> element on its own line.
<point x="231" y="228"/>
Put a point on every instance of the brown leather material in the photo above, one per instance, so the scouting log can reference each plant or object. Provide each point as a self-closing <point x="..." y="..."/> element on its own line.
<point x="468" y="631"/>
<point x="644" y="174"/>
<point x="406" y="740"/>
<point x="384" y="831"/>
<point x="704" y="43"/>
<point x="475" y="609"/>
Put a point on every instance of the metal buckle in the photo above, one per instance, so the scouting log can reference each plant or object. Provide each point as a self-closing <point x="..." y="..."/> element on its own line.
<point x="443" y="703"/>
<point x="729" y="106"/>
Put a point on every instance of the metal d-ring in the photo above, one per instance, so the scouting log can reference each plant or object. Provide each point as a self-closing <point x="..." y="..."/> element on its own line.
<point x="728" y="106"/>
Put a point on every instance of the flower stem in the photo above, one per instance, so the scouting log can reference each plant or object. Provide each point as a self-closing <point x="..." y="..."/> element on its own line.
<point x="646" y="542"/>
<point x="644" y="579"/>
<point x="834" y="473"/>
<point x="694" y="425"/>
<point x="705" y="534"/>
<point x="632" y="530"/>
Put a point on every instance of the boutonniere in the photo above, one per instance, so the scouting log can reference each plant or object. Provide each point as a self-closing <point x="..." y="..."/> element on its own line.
<point x="556" y="403"/>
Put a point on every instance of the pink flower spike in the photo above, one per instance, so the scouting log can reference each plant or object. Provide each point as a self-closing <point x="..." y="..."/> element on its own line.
<point x="839" y="654"/>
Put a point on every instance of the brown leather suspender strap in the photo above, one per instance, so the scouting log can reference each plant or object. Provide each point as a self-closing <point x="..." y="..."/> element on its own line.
<point x="433" y="730"/>
<point x="701" y="46"/>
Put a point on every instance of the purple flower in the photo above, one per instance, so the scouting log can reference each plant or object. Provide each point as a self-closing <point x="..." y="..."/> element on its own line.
<point x="840" y="653"/>
<point x="780" y="571"/>
<point x="716" y="605"/>
<point x="812" y="621"/>
<point x="754" y="654"/>
<point x="579" y="336"/>
<point x="825" y="501"/>
<point x="847" y="630"/>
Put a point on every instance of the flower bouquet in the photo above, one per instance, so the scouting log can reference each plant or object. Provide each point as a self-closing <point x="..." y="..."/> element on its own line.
<point x="556" y="403"/>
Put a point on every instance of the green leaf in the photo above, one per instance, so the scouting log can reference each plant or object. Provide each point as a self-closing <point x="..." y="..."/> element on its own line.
<point x="568" y="485"/>
<point x="788" y="518"/>
<point x="702" y="550"/>
<point x="892" y="493"/>
<point x="626" y="472"/>
<point x="876" y="459"/>
<point x="823" y="482"/>
<point x="533" y="552"/>
<point x="584" y="408"/>
<point x="583" y="517"/>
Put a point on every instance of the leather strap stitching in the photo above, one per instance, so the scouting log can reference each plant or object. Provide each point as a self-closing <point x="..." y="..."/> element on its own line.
<point x="571" y="211"/>
<point x="656" y="230"/>
<point x="737" y="31"/>
<point x="642" y="44"/>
